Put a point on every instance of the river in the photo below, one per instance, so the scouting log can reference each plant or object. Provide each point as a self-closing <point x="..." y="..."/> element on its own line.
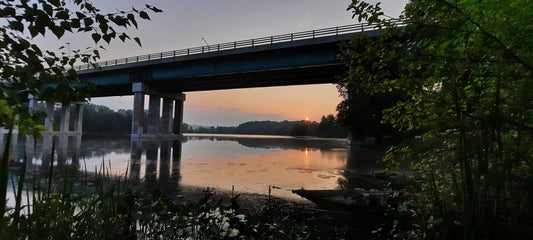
<point x="245" y="163"/>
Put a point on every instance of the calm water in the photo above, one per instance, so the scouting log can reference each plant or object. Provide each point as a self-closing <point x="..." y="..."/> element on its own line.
<point x="247" y="163"/>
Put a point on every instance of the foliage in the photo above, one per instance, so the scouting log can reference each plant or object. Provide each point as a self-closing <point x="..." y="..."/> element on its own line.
<point x="467" y="69"/>
<point x="362" y="88"/>
<point x="102" y="119"/>
<point x="265" y="127"/>
<point x="328" y="128"/>
<point x="25" y="68"/>
<point x="69" y="204"/>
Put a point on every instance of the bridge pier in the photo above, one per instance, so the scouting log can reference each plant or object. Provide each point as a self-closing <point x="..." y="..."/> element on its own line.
<point x="159" y="124"/>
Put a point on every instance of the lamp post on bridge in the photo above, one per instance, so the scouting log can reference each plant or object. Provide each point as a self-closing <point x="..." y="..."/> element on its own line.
<point x="207" y="44"/>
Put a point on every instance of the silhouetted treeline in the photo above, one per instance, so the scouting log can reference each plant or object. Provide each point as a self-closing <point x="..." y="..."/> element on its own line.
<point x="265" y="128"/>
<point x="101" y="119"/>
<point x="328" y="127"/>
<point x="96" y="118"/>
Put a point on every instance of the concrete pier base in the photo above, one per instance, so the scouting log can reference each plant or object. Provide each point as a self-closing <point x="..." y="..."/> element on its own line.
<point x="162" y="122"/>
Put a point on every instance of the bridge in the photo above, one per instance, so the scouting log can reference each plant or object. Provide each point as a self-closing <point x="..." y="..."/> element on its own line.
<point x="307" y="57"/>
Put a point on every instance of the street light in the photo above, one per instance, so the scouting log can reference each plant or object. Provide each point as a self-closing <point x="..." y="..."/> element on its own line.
<point x="207" y="44"/>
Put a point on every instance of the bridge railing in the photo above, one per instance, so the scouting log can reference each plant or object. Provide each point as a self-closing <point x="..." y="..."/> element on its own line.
<point x="290" y="37"/>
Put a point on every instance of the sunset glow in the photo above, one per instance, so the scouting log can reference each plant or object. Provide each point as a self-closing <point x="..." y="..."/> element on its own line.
<point x="306" y="118"/>
<point x="236" y="106"/>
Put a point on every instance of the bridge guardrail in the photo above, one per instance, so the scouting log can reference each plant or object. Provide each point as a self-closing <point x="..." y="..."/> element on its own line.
<point x="290" y="37"/>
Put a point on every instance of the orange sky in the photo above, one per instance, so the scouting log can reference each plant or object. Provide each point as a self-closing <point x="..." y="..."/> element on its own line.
<point x="288" y="102"/>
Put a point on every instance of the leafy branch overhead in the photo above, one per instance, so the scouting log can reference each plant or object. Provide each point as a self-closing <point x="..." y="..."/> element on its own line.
<point x="26" y="67"/>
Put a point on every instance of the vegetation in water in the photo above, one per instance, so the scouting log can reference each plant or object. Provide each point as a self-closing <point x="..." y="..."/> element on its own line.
<point x="71" y="204"/>
<point x="466" y="69"/>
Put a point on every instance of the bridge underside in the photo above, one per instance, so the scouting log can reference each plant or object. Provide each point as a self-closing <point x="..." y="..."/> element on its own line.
<point x="302" y="62"/>
<point x="295" y="63"/>
<point x="267" y="78"/>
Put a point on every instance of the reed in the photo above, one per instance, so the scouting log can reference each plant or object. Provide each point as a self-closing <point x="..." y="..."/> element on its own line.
<point x="64" y="203"/>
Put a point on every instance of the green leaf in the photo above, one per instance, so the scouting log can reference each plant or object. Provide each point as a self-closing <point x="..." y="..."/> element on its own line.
<point x="88" y="21"/>
<point x="80" y="15"/>
<point x="123" y="37"/>
<point x="16" y="25"/>
<point x="96" y="37"/>
<point x="100" y="18"/>
<point x="7" y="11"/>
<point x="131" y="17"/>
<point x="138" y="41"/>
<point x="48" y="9"/>
<point x="33" y="30"/>
<point x="75" y="23"/>
<point x="62" y="15"/>
<point x="144" y="15"/>
<point x="107" y="38"/>
<point x="66" y="26"/>
<point x="58" y="31"/>
<point x="56" y="3"/>
<point x="154" y="9"/>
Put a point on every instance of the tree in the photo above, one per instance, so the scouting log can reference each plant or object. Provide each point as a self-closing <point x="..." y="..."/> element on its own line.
<point x="329" y="128"/>
<point x="101" y="119"/>
<point x="467" y="69"/>
<point x="25" y="68"/>
<point x="367" y="88"/>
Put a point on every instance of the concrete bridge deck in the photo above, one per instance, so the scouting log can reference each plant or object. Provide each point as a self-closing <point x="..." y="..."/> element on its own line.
<point x="290" y="59"/>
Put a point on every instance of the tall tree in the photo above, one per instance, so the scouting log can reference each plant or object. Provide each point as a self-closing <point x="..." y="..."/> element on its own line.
<point x="467" y="70"/>
<point x="368" y="87"/>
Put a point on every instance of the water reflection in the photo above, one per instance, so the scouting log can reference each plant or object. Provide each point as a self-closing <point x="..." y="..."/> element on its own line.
<point x="248" y="163"/>
<point x="162" y="165"/>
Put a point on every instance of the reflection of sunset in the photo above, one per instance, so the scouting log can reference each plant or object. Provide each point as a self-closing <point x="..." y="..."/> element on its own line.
<point x="254" y="171"/>
<point x="306" y="158"/>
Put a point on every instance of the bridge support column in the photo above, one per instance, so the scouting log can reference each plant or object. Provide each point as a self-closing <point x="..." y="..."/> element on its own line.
<point x="65" y="118"/>
<point x="78" y="118"/>
<point x="48" y="136"/>
<point x="137" y="127"/>
<point x="158" y="124"/>
<point x="178" y="117"/>
<point x="166" y="116"/>
<point x="49" y="120"/>
<point x="153" y="115"/>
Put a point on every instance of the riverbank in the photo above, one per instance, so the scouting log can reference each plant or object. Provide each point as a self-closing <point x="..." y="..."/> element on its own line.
<point x="292" y="213"/>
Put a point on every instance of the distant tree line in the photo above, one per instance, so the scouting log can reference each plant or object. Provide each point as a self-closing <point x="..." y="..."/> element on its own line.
<point x="327" y="127"/>
<point x="98" y="119"/>
<point x="101" y="119"/>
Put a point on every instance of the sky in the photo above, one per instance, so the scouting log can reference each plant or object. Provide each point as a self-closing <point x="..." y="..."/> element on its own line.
<point x="184" y="23"/>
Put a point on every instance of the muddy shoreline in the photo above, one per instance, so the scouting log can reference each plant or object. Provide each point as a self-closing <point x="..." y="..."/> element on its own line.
<point x="323" y="223"/>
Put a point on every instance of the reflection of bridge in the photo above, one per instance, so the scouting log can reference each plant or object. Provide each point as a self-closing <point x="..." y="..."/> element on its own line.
<point x="290" y="59"/>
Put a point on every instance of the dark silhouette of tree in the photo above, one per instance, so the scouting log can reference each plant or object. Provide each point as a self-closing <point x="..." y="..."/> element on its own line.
<point x="466" y="68"/>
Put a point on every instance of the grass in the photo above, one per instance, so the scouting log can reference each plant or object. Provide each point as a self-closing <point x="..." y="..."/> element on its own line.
<point x="62" y="203"/>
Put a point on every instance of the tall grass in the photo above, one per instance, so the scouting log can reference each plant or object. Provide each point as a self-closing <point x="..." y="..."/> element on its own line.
<point x="65" y="203"/>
